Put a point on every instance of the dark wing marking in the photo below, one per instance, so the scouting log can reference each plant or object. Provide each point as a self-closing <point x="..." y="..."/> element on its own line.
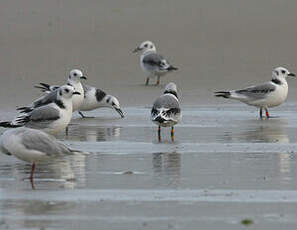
<point x="153" y="59"/>
<point x="257" y="92"/>
<point x="100" y="94"/>
<point x="46" y="99"/>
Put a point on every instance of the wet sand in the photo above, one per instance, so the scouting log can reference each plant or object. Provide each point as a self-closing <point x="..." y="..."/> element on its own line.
<point x="214" y="175"/>
<point x="226" y="165"/>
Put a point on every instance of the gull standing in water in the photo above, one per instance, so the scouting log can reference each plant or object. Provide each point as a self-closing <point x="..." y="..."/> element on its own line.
<point x="32" y="146"/>
<point x="51" y="117"/>
<point x="153" y="64"/>
<point x="93" y="99"/>
<point x="166" y="111"/>
<point x="264" y="96"/>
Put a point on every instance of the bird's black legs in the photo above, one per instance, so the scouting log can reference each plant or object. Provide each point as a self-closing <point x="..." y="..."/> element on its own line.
<point x="32" y="174"/>
<point x="81" y="114"/>
<point x="147" y="81"/>
<point x="159" y="133"/>
<point x="261" y="113"/>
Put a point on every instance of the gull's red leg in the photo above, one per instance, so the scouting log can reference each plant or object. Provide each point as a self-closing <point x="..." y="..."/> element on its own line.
<point x="267" y="113"/>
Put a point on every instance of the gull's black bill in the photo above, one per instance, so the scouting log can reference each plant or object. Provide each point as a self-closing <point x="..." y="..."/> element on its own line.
<point x="292" y="75"/>
<point x="136" y="50"/>
<point x="120" y="112"/>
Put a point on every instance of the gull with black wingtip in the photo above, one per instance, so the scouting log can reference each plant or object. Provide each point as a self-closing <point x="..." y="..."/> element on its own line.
<point x="93" y="99"/>
<point x="74" y="80"/>
<point x="153" y="64"/>
<point x="264" y="96"/>
<point x="166" y="111"/>
<point x="51" y="117"/>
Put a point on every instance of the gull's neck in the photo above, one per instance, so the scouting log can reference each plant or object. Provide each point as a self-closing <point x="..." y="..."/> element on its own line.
<point x="279" y="80"/>
<point x="147" y="51"/>
<point x="171" y="92"/>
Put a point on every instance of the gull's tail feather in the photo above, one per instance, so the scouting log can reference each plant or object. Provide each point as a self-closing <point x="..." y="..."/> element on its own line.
<point x="224" y="94"/>
<point x="75" y="151"/>
<point x="44" y="87"/>
<point x="171" y="68"/>
<point x="24" y="109"/>
<point x="9" y="124"/>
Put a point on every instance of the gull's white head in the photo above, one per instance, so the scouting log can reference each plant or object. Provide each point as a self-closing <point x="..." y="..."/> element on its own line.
<point x="113" y="102"/>
<point x="145" y="46"/>
<point x="66" y="91"/>
<point x="281" y="73"/>
<point x="76" y="75"/>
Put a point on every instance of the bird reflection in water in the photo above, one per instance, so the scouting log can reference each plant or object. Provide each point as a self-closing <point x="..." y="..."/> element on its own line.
<point x="93" y="133"/>
<point x="269" y="131"/>
<point x="64" y="172"/>
<point x="167" y="167"/>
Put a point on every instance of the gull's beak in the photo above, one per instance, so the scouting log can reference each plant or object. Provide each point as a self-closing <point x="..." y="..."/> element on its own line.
<point x="136" y="50"/>
<point x="83" y="77"/>
<point x="291" y="75"/>
<point x="120" y="112"/>
<point x="78" y="93"/>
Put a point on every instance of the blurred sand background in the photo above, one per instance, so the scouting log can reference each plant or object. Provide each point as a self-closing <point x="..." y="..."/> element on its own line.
<point x="216" y="45"/>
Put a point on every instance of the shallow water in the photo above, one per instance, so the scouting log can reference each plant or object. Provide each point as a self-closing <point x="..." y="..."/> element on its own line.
<point x="225" y="165"/>
<point x="215" y="174"/>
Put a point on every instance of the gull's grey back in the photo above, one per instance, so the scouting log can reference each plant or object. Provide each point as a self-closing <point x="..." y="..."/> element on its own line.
<point x="152" y="60"/>
<point x="37" y="140"/>
<point x="46" y="99"/>
<point x="257" y="92"/>
<point x="86" y="88"/>
<point x="166" y="101"/>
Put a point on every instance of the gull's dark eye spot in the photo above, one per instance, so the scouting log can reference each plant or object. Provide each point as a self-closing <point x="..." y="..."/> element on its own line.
<point x="75" y="74"/>
<point x="67" y="90"/>
<point x="283" y="72"/>
<point x="151" y="47"/>
<point x="145" y="45"/>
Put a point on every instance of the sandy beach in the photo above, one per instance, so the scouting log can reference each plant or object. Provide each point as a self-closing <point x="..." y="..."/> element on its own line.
<point x="225" y="166"/>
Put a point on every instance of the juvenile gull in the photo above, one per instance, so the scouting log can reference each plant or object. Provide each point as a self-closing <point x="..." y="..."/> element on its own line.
<point x="32" y="146"/>
<point x="93" y="98"/>
<point x="166" y="111"/>
<point x="264" y="96"/>
<point x="153" y="64"/>
<point x="50" y="117"/>
<point x="73" y="80"/>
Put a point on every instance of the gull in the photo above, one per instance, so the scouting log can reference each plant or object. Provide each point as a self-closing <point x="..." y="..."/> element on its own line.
<point x="32" y="146"/>
<point x="264" y="96"/>
<point x="153" y="64"/>
<point x="73" y="80"/>
<point x="51" y="117"/>
<point x="166" y="111"/>
<point x="96" y="98"/>
<point x="93" y="98"/>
